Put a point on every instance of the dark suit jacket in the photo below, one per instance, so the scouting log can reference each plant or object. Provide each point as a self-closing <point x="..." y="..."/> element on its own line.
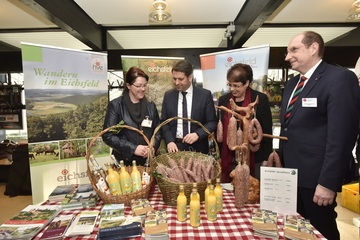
<point x="263" y="114"/>
<point x="203" y="111"/>
<point x="321" y="138"/>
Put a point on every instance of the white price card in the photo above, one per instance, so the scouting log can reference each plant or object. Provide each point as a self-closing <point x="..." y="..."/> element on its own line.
<point x="278" y="189"/>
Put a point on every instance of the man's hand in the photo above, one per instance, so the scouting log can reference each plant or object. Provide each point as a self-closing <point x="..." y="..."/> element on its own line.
<point x="171" y="147"/>
<point x="142" y="151"/>
<point x="323" y="196"/>
<point x="190" y="138"/>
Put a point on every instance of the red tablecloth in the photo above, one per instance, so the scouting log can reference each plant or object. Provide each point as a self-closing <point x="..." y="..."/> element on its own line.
<point x="231" y="223"/>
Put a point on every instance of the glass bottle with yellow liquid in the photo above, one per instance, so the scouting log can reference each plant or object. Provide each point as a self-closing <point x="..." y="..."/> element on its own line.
<point x="207" y="192"/>
<point x="125" y="179"/>
<point x="211" y="212"/>
<point x="181" y="205"/>
<point x="197" y="193"/>
<point x="113" y="181"/>
<point x="135" y="177"/>
<point x="219" y="196"/>
<point x="194" y="209"/>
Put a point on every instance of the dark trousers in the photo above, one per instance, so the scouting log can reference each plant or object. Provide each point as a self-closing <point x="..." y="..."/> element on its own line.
<point x="322" y="218"/>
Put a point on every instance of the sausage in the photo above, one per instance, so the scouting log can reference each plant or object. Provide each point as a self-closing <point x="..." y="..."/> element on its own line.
<point x="231" y="133"/>
<point x="189" y="163"/>
<point x="176" y="172"/>
<point x="241" y="184"/>
<point x="192" y="175"/>
<point x="185" y="176"/>
<point x="161" y="168"/>
<point x="254" y="148"/>
<point x="277" y="159"/>
<point x="203" y="172"/>
<point x="182" y="162"/>
<point x="270" y="160"/>
<point x="255" y="126"/>
<point x="239" y="136"/>
<point x="219" y="132"/>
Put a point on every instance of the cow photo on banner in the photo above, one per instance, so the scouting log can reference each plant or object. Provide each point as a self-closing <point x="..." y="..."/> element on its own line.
<point x="66" y="95"/>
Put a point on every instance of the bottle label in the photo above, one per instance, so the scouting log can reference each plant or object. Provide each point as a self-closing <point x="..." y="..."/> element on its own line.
<point x="114" y="188"/>
<point x="101" y="184"/>
<point x="219" y="203"/>
<point x="126" y="186"/>
<point x="145" y="179"/>
<point x="212" y="213"/>
<point x="136" y="183"/>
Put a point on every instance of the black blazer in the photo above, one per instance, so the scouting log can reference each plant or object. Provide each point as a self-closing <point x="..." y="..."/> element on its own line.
<point x="321" y="138"/>
<point x="263" y="114"/>
<point x="203" y="111"/>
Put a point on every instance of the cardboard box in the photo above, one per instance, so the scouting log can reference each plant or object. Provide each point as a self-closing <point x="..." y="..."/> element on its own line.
<point x="350" y="197"/>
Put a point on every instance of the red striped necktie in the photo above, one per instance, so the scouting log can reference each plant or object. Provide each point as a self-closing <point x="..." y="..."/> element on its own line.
<point x="294" y="98"/>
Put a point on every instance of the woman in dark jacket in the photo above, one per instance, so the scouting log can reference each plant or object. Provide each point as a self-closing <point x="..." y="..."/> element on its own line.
<point x="136" y="111"/>
<point x="239" y="77"/>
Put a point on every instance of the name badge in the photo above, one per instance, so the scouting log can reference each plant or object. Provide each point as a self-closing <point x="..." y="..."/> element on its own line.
<point x="309" y="102"/>
<point x="146" y="122"/>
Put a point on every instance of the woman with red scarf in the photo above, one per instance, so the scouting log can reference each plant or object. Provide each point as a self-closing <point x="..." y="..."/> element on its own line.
<point x="239" y="77"/>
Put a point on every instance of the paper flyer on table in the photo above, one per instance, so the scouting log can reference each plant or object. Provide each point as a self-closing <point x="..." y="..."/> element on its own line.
<point x="278" y="189"/>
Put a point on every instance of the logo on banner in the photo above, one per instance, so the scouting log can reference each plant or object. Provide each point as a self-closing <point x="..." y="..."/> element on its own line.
<point x="98" y="65"/>
<point x="66" y="175"/>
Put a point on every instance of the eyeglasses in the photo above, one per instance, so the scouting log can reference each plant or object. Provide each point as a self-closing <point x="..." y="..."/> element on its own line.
<point x="140" y="86"/>
<point x="236" y="86"/>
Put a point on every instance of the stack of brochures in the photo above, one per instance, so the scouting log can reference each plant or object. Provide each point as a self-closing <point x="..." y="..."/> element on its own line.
<point x="156" y="226"/>
<point x="83" y="223"/>
<point x="264" y="223"/>
<point x="83" y="196"/>
<point x="60" y="192"/>
<point x="57" y="228"/>
<point x="114" y="225"/>
<point x="298" y="228"/>
<point x="29" y="222"/>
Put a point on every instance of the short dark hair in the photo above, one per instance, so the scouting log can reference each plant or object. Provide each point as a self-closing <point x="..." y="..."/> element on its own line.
<point x="183" y="66"/>
<point x="310" y="37"/>
<point x="134" y="73"/>
<point x="240" y="72"/>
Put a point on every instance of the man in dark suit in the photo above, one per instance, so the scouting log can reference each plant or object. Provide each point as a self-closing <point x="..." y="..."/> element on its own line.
<point x="321" y="127"/>
<point x="199" y="106"/>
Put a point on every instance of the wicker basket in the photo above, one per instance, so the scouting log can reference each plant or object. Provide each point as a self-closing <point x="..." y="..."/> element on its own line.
<point x="124" y="198"/>
<point x="169" y="189"/>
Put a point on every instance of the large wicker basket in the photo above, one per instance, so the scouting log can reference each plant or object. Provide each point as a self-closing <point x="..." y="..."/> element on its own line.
<point x="170" y="189"/>
<point x="124" y="198"/>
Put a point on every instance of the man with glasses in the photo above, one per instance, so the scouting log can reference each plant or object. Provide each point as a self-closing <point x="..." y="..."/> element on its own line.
<point x="239" y="78"/>
<point x="187" y="101"/>
<point x="321" y="125"/>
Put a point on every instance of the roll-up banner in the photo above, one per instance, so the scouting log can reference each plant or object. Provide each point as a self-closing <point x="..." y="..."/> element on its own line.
<point x="66" y="98"/>
<point x="159" y="71"/>
<point x="215" y="65"/>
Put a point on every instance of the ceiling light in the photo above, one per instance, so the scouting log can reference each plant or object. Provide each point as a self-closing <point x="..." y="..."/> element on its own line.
<point x="159" y="4"/>
<point x="354" y="13"/>
<point x="160" y="16"/>
<point x="159" y="13"/>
